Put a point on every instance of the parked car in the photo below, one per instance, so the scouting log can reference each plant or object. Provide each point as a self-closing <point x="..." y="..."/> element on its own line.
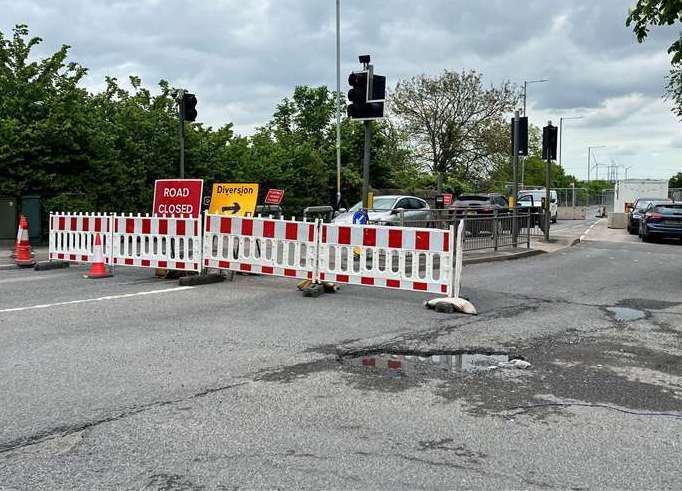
<point x="477" y="204"/>
<point x="386" y="210"/>
<point x="638" y="208"/>
<point x="661" y="220"/>
<point x="533" y="198"/>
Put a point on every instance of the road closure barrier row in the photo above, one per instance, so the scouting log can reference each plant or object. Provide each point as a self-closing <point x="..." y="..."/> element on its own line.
<point x="403" y="258"/>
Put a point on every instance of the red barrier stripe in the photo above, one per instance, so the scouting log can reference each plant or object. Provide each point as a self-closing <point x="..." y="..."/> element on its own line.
<point x="269" y="229"/>
<point x="310" y="275"/>
<point x="84" y="258"/>
<point x="446" y="242"/>
<point x="62" y="223"/>
<point x="368" y="362"/>
<point x="115" y="260"/>
<point x="247" y="226"/>
<point x="393" y="283"/>
<point x="146" y="263"/>
<point x="289" y="272"/>
<point x="72" y="257"/>
<point x="395" y="238"/>
<point x="369" y="237"/>
<point x="208" y="224"/>
<point x="366" y="281"/>
<point x="163" y="228"/>
<point x="74" y="223"/>
<point x="179" y="265"/>
<point x="245" y="267"/>
<point x="130" y="225"/>
<point x="421" y="241"/>
<point x="344" y="235"/>
<point x="196" y="227"/>
<point x="225" y="225"/>
<point x="98" y="224"/>
<point x="342" y="278"/>
<point x="311" y="233"/>
<point x="86" y="224"/>
<point x="206" y="261"/>
<point x="60" y="256"/>
<point x="223" y="264"/>
<point x="179" y="227"/>
<point x="417" y="285"/>
<point x="321" y="275"/>
<point x="163" y="264"/>
<point x="146" y="226"/>
<point x="291" y="231"/>
<point x="324" y="234"/>
<point x="444" y="288"/>
<point x="394" y="364"/>
<point x="128" y="262"/>
<point x="267" y="270"/>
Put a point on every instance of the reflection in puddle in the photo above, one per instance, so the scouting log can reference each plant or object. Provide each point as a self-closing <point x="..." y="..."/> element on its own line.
<point x="467" y="362"/>
<point x="624" y="314"/>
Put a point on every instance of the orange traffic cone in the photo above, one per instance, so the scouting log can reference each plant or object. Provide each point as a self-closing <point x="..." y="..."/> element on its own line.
<point x="98" y="269"/>
<point x="22" y="252"/>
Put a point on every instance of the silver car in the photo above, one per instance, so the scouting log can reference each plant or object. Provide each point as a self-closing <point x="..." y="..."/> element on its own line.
<point x="386" y="210"/>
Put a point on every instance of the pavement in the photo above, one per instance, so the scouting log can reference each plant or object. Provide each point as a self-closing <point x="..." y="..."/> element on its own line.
<point x="134" y="382"/>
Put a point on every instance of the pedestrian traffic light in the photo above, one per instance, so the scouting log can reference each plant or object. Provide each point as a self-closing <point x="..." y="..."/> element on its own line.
<point x="366" y="95"/>
<point x="189" y="104"/>
<point x="549" y="142"/>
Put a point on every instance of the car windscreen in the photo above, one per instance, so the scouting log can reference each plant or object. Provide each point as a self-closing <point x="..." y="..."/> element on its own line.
<point x="668" y="209"/>
<point x="380" y="203"/>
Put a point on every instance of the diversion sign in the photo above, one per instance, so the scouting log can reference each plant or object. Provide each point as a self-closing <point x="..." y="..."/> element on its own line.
<point x="238" y="199"/>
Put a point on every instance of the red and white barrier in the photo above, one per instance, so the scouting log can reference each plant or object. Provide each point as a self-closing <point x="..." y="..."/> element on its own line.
<point x="403" y="258"/>
<point x="157" y="242"/>
<point x="261" y="245"/>
<point x="72" y="236"/>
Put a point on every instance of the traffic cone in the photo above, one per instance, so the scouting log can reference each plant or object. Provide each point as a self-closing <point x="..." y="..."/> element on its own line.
<point x="98" y="269"/>
<point x="22" y="252"/>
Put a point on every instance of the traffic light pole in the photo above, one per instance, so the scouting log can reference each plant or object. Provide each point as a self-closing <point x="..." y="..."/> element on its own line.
<point x="181" y="131"/>
<point x="515" y="176"/>
<point x="365" y="165"/>
<point x="548" y="182"/>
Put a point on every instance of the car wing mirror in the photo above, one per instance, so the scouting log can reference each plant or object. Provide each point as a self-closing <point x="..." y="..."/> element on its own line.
<point x="396" y="211"/>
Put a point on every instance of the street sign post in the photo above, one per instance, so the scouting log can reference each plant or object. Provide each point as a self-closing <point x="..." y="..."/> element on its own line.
<point x="274" y="196"/>
<point x="238" y="199"/>
<point x="178" y="197"/>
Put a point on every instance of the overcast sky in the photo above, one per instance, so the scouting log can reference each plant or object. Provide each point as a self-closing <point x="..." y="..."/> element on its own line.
<point x="241" y="57"/>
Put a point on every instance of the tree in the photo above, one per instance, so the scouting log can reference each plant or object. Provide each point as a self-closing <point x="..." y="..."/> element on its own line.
<point x="675" y="181"/>
<point x="649" y="13"/>
<point x="455" y="124"/>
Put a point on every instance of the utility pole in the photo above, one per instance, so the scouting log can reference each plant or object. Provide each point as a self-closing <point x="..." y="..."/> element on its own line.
<point x="515" y="185"/>
<point x="338" y="104"/>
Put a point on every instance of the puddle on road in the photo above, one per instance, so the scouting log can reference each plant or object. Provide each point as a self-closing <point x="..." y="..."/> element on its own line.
<point x="433" y="364"/>
<point x="625" y="314"/>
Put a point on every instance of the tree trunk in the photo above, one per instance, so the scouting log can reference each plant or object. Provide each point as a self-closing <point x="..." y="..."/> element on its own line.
<point x="439" y="182"/>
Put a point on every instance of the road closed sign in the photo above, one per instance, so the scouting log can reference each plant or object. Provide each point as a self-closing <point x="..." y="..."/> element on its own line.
<point x="233" y="199"/>
<point x="178" y="197"/>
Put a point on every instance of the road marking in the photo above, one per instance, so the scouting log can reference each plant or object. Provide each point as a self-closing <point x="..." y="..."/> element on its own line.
<point x="99" y="299"/>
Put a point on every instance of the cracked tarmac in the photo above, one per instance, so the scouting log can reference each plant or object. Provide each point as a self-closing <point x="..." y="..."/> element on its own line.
<point x="242" y="384"/>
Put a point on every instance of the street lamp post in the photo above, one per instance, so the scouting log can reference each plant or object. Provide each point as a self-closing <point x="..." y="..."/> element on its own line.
<point x="526" y="83"/>
<point x="561" y="133"/>
<point x="338" y="103"/>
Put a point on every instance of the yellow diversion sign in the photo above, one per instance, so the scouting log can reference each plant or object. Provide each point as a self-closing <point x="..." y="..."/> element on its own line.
<point x="238" y="199"/>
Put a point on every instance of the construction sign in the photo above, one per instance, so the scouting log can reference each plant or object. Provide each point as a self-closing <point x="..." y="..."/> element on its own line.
<point x="237" y="199"/>
<point x="178" y="197"/>
<point x="274" y="197"/>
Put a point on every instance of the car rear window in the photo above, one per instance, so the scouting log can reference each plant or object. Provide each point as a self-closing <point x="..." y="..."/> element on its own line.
<point x="671" y="209"/>
<point x="473" y="197"/>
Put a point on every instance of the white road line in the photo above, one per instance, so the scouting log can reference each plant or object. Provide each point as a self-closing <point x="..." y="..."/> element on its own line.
<point x="99" y="299"/>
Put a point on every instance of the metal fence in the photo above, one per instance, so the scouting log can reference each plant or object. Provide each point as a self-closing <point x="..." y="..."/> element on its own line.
<point x="675" y="194"/>
<point x="495" y="231"/>
<point x="572" y="203"/>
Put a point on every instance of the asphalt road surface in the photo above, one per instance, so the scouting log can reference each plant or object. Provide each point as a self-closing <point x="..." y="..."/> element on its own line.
<point x="133" y="382"/>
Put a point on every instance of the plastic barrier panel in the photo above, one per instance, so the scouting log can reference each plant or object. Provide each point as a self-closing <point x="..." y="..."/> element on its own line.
<point x="157" y="242"/>
<point x="404" y="258"/>
<point x="261" y="245"/>
<point x="72" y="236"/>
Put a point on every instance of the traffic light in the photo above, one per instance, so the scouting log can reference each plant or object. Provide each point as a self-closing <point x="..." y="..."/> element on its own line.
<point x="549" y="142"/>
<point x="366" y="95"/>
<point x="189" y="105"/>
<point x="523" y="136"/>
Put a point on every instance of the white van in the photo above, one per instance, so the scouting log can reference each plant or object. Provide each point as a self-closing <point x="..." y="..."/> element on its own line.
<point x="534" y="197"/>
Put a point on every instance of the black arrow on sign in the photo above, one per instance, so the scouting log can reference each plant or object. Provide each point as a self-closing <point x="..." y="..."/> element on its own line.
<point x="234" y="208"/>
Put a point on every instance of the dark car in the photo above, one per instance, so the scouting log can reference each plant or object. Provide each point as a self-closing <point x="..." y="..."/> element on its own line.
<point x="638" y="209"/>
<point x="661" y="220"/>
<point x="476" y="204"/>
